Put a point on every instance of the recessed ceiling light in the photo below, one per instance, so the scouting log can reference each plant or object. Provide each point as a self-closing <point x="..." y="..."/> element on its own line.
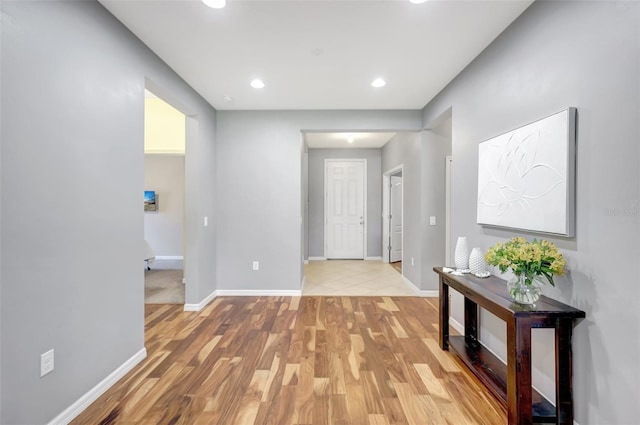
<point x="418" y="1"/>
<point x="378" y="82"/>
<point x="257" y="83"/>
<point x="350" y="139"/>
<point x="215" y="4"/>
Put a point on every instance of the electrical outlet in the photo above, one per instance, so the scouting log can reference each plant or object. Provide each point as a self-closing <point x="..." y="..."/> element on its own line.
<point x="256" y="265"/>
<point x="432" y="220"/>
<point x="206" y="221"/>
<point x="46" y="363"/>
<point x="412" y="261"/>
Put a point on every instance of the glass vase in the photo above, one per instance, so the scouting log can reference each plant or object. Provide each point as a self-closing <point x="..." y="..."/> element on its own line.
<point x="523" y="292"/>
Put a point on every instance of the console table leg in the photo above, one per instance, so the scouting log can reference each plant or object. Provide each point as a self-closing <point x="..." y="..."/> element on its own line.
<point x="444" y="315"/>
<point x="564" y="372"/>
<point x="519" y="410"/>
<point x="470" y="323"/>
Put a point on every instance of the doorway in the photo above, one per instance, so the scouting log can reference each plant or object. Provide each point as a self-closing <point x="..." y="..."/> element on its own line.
<point x="345" y="194"/>
<point x="395" y="220"/>
<point x="164" y="221"/>
<point x="392" y="212"/>
<point x="323" y="272"/>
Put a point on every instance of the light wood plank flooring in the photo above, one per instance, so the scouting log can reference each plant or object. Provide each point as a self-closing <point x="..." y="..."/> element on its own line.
<point x="296" y="361"/>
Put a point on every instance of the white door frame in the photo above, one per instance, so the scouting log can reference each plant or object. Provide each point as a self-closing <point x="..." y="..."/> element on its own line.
<point x="386" y="196"/>
<point x="447" y="214"/>
<point x="364" y="200"/>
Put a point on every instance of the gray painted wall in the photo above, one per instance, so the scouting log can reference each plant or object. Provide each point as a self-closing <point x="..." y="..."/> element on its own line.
<point x="374" y="197"/>
<point x="72" y="98"/>
<point x="423" y="158"/>
<point x="200" y="178"/>
<point x="163" y="229"/>
<point x="259" y="169"/>
<point x="560" y="54"/>
<point x="406" y="149"/>
<point x="436" y="145"/>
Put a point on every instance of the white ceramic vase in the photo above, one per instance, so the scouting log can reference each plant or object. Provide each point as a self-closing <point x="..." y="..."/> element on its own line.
<point x="477" y="263"/>
<point x="461" y="256"/>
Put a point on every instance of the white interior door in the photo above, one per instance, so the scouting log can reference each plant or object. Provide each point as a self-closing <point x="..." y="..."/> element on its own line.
<point x="395" y="219"/>
<point x="345" y="209"/>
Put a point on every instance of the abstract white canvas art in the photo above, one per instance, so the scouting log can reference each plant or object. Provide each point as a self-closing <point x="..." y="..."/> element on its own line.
<point x="526" y="177"/>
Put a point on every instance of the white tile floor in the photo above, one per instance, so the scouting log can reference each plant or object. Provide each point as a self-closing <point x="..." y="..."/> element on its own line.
<point x="354" y="278"/>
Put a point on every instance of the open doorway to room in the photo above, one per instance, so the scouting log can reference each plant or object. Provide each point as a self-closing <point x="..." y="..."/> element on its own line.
<point x="344" y="222"/>
<point x="164" y="185"/>
<point x="392" y="213"/>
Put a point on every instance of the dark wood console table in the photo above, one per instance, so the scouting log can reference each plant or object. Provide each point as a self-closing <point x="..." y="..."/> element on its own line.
<point x="511" y="383"/>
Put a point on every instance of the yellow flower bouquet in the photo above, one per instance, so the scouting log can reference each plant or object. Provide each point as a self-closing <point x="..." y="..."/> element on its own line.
<point x="527" y="260"/>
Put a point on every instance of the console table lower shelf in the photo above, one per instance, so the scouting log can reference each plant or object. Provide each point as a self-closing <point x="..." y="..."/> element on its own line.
<point x="492" y="373"/>
<point x="511" y="383"/>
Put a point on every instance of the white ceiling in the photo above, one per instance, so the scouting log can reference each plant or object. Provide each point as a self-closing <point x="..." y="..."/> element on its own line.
<point x="341" y="140"/>
<point x="319" y="54"/>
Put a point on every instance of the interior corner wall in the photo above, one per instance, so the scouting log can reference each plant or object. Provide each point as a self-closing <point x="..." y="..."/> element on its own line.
<point x="555" y="55"/>
<point x="163" y="229"/>
<point x="406" y="149"/>
<point x="305" y="204"/>
<point x="258" y="154"/>
<point x="1" y="260"/>
<point x="435" y="148"/>
<point x="73" y="81"/>
<point x="374" y="197"/>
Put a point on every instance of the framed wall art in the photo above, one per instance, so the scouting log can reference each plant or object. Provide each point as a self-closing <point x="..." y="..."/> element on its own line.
<point x="150" y="201"/>
<point x="526" y="177"/>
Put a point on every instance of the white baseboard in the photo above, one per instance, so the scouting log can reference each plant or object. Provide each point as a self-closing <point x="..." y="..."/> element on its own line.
<point x="408" y="282"/>
<point x="419" y="292"/>
<point x="166" y="262"/>
<point x="456" y="325"/>
<point x="241" y="293"/>
<point x="257" y="293"/>
<point x="85" y="401"/>
<point x="169" y="257"/>
<point x="202" y="304"/>
<point x="325" y="259"/>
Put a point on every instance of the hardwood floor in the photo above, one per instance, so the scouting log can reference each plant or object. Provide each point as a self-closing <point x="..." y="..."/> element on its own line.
<point x="296" y="361"/>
